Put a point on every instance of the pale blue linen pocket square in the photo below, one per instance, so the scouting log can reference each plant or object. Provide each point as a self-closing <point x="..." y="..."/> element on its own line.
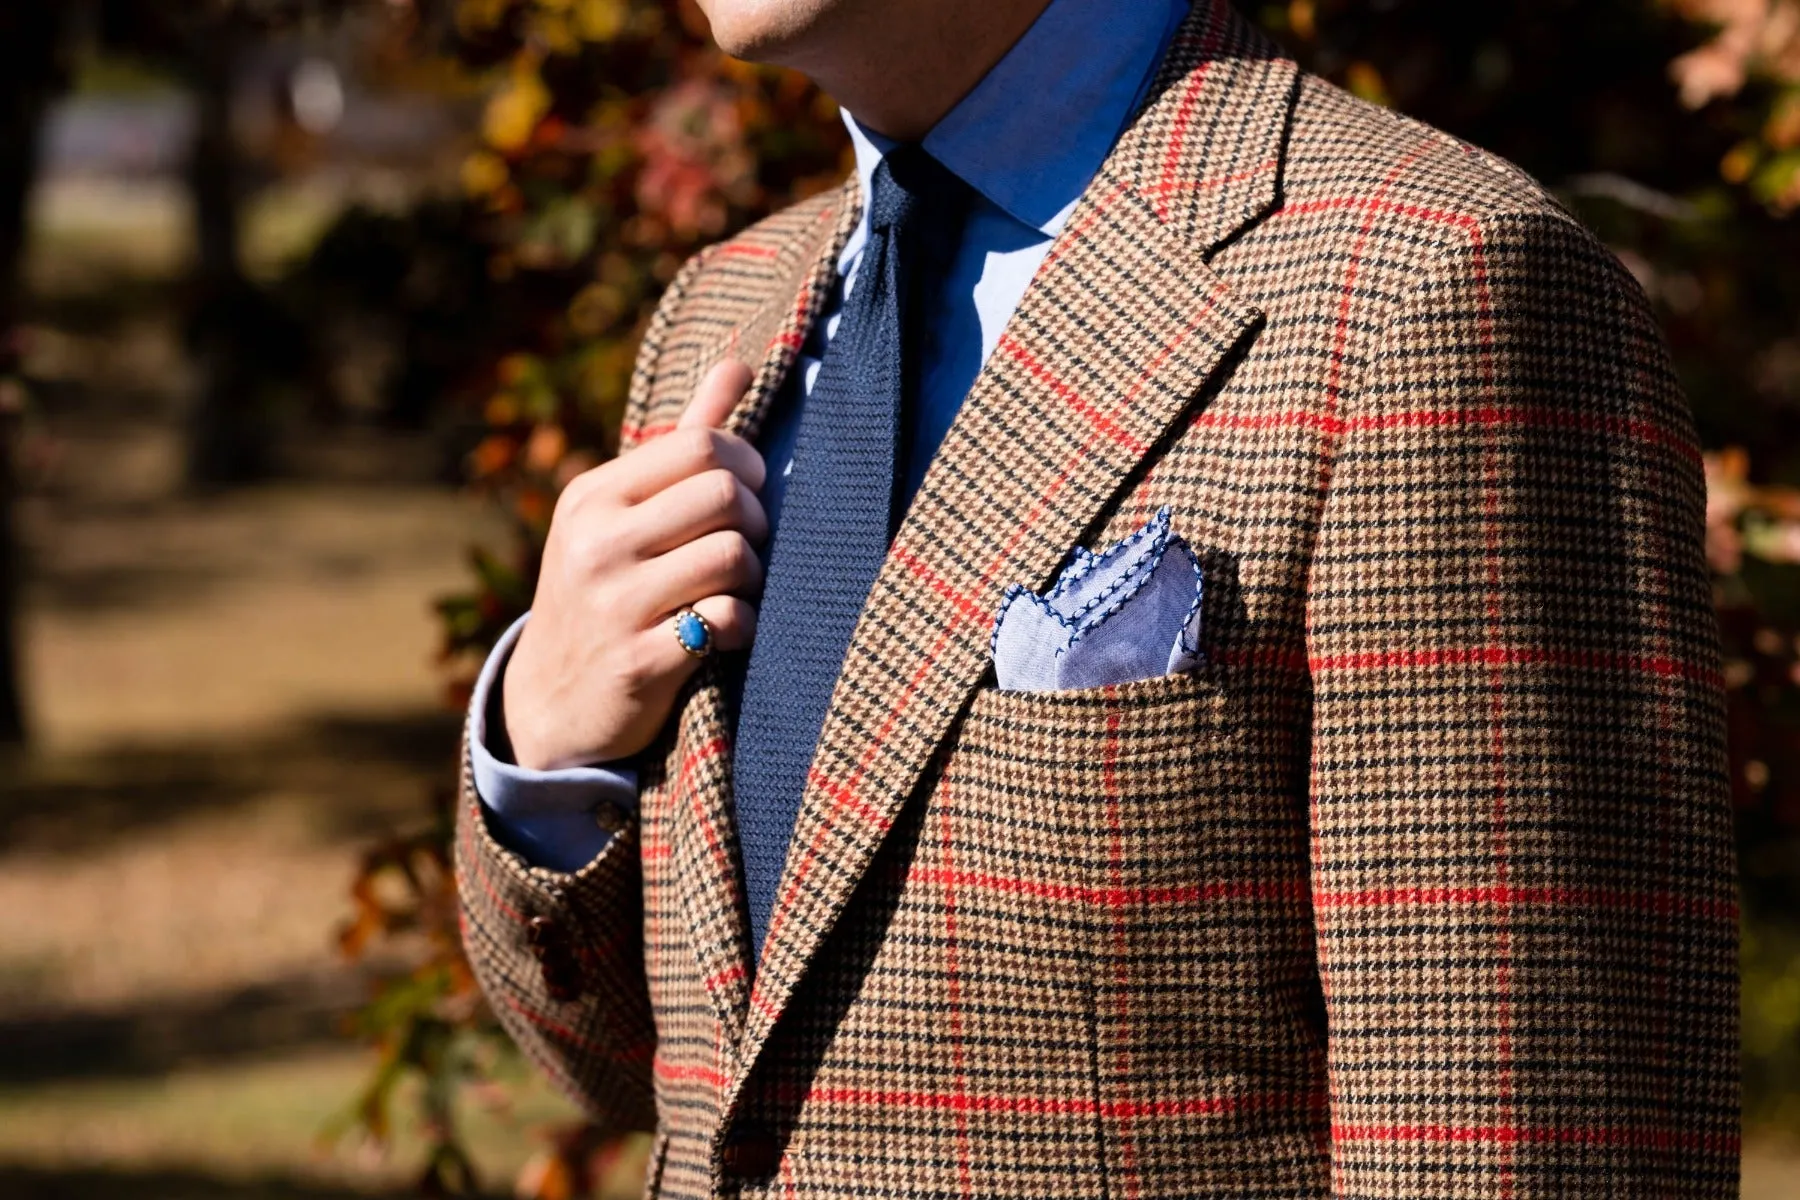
<point x="1130" y="612"/>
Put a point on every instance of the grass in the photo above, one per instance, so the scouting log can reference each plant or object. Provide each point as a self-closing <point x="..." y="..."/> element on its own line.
<point x="143" y="229"/>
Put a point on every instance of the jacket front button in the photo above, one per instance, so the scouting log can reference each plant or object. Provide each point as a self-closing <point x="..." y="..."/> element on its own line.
<point x="751" y="1156"/>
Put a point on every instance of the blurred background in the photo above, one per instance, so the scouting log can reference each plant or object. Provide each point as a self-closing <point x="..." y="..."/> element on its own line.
<point x="307" y="310"/>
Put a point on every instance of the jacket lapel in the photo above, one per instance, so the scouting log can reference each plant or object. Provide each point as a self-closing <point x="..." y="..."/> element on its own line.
<point x="790" y="281"/>
<point x="1117" y="338"/>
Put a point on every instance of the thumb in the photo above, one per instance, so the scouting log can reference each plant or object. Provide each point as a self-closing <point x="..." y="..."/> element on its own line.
<point x="717" y="395"/>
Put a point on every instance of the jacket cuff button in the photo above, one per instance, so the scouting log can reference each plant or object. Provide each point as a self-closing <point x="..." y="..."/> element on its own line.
<point x="549" y="943"/>
<point x="750" y="1155"/>
<point x="560" y="984"/>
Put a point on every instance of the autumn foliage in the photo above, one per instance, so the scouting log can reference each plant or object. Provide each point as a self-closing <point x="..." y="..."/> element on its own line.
<point x="615" y="142"/>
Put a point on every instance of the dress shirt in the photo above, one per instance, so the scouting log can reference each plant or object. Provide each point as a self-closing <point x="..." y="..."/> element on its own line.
<point x="1027" y="140"/>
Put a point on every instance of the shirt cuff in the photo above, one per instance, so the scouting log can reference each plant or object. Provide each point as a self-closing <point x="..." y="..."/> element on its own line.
<point x="546" y="817"/>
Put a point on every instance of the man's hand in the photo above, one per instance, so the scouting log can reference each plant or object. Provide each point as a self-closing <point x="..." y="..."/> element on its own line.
<point x="673" y="524"/>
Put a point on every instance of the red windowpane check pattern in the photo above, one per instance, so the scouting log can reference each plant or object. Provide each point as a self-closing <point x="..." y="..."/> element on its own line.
<point x="1421" y="886"/>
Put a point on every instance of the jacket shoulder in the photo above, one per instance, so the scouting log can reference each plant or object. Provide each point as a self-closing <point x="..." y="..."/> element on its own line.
<point x="1386" y="200"/>
<point x="729" y="280"/>
<point x="1430" y="254"/>
<point x="718" y="293"/>
<point x="786" y="228"/>
<point x="1348" y="156"/>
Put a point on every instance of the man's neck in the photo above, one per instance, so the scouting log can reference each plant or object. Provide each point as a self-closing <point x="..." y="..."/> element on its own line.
<point x="901" y="67"/>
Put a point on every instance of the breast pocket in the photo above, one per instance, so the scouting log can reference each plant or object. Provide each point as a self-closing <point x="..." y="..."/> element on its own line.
<point x="1047" y="804"/>
<point x="1075" y="764"/>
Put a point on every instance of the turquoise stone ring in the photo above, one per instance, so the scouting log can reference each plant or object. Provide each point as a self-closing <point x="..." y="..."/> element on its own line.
<point x="694" y="634"/>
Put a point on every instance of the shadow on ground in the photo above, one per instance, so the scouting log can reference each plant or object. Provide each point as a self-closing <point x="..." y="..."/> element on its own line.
<point x="117" y="794"/>
<point x="29" y="1183"/>
<point x="160" y="1034"/>
<point x="132" y="554"/>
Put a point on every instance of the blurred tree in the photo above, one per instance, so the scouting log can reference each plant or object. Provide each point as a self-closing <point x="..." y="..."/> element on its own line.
<point x="37" y="42"/>
<point x="237" y="334"/>
<point x="234" y="330"/>
<point x="30" y="73"/>
<point x="227" y="440"/>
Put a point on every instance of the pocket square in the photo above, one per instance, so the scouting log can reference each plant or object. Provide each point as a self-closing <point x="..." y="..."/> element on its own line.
<point x="1129" y="612"/>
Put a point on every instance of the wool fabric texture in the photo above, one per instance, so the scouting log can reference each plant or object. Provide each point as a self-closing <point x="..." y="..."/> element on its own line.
<point x="1421" y="885"/>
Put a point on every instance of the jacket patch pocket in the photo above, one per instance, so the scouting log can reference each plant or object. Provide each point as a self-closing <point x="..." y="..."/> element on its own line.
<point x="1145" y="843"/>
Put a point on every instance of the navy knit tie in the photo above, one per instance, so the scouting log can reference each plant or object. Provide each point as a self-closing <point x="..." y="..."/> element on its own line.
<point x="837" y="516"/>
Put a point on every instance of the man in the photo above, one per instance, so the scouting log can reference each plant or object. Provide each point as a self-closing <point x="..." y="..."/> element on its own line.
<point x="1233" y="706"/>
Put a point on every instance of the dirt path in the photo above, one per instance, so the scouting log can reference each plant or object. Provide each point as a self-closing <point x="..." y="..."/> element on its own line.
<point x="230" y="700"/>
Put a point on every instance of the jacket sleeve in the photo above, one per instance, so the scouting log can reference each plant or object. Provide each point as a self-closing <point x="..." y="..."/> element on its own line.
<point x="560" y="955"/>
<point x="1523" y="875"/>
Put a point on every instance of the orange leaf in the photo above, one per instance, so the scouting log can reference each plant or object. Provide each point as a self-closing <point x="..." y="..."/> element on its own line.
<point x="546" y="447"/>
<point x="494" y="455"/>
<point x="545" y="1177"/>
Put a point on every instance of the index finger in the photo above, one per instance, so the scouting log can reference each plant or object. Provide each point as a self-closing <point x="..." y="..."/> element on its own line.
<point x="697" y="443"/>
<point x="681" y="453"/>
<point x="718" y="393"/>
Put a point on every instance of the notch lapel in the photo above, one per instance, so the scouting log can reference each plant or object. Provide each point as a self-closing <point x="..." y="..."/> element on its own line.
<point x="791" y="281"/>
<point x="1117" y="338"/>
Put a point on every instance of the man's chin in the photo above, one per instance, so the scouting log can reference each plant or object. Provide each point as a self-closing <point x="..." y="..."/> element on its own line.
<point x="769" y="31"/>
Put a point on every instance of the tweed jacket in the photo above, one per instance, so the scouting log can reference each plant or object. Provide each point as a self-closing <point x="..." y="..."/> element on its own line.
<point x="1420" y="886"/>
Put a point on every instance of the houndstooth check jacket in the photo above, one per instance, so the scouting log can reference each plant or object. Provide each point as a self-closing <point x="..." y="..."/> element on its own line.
<point x="1421" y="886"/>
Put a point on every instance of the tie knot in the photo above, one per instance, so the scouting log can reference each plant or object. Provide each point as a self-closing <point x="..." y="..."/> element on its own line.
<point x="909" y="182"/>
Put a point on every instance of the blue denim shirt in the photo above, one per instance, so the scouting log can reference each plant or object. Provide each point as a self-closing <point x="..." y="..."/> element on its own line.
<point x="1028" y="140"/>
